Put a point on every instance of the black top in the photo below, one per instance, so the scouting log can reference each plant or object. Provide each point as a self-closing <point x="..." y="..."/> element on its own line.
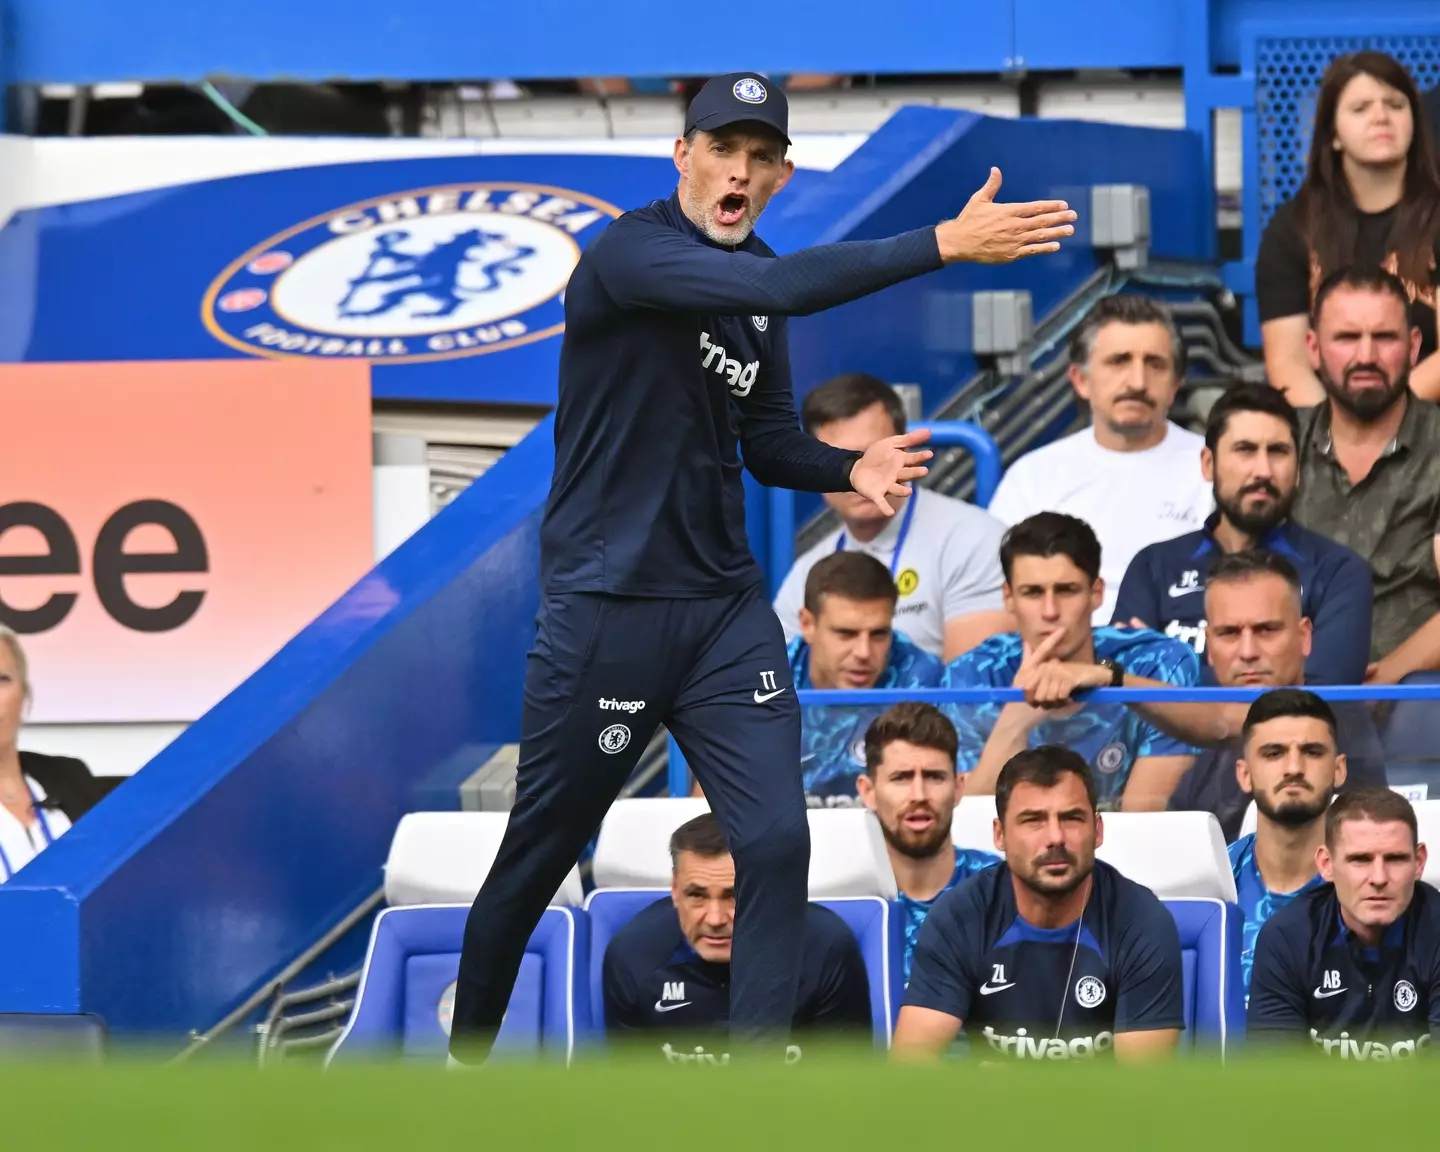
<point x="655" y="983"/>
<point x="1210" y="784"/>
<point x="1014" y="984"/>
<point x="675" y="361"/>
<point x="68" y="784"/>
<point x="1391" y="517"/>
<point x="1165" y="587"/>
<point x="1315" y="986"/>
<point x="1287" y="273"/>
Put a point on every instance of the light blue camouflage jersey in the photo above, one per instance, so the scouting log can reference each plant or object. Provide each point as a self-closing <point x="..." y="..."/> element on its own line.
<point x="1111" y="737"/>
<point x="832" y="743"/>
<point x="968" y="861"/>
<point x="1257" y="902"/>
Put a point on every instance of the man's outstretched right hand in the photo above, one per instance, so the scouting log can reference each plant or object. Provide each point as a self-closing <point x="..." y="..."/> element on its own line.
<point x="990" y="233"/>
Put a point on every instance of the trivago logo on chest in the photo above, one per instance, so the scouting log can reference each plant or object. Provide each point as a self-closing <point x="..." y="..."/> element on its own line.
<point x="431" y="274"/>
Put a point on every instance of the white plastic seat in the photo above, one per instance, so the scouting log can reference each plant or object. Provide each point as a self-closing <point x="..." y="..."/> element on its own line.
<point x="1174" y="854"/>
<point x="847" y="848"/>
<point x="974" y="823"/>
<point x="444" y="857"/>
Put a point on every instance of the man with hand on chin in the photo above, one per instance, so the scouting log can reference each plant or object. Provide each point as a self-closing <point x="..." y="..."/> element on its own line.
<point x="1051" y="564"/>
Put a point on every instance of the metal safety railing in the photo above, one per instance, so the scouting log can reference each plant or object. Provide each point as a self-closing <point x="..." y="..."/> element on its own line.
<point x="878" y="699"/>
<point x="943" y="434"/>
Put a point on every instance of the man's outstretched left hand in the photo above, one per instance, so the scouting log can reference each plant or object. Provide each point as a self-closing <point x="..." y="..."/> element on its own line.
<point x="888" y="466"/>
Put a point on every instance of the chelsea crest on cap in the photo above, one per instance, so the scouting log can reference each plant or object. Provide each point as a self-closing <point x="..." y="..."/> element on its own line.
<point x="737" y="97"/>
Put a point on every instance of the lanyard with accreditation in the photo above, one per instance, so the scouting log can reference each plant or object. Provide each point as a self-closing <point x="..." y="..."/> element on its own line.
<point x="899" y="540"/>
<point x="44" y="831"/>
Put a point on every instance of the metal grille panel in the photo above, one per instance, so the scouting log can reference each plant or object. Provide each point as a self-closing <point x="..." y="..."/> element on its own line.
<point x="1287" y="81"/>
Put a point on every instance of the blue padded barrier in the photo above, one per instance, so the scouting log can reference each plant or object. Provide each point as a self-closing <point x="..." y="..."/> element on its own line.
<point x="407" y="990"/>
<point x="1210" y="943"/>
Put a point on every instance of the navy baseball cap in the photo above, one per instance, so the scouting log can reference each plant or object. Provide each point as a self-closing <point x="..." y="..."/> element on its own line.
<point x="735" y="97"/>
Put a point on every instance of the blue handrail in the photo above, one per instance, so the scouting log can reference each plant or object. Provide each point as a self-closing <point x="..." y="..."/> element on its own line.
<point x="943" y="434"/>
<point x="679" y="771"/>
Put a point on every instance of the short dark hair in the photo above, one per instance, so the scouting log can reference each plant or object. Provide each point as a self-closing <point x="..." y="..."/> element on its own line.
<point x="1287" y="702"/>
<point x="1052" y="534"/>
<point x="851" y="576"/>
<point x="1043" y="767"/>
<point x="848" y="395"/>
<point x="701" y="836"/>
<point x="1362" y="277"/>
<point x="1125" y="309"/>
<point x="1249" y="397"/>
<point x="1233" y="567"/>
<point x="923" y="725"/>
<point x="1382" y="805"/>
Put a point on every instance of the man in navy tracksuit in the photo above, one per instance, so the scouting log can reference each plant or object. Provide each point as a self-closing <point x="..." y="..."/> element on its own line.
<point x="1351" y="970"/>
<point x="674" y="365"/>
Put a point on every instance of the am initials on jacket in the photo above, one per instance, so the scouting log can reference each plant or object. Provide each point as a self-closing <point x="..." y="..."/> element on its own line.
<point x="741" y="376"/>
<point x="673" y="990"/>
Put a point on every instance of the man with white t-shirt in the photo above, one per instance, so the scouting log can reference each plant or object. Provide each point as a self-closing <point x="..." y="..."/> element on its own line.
<point x="943" y="553"/>
<point x="1133" y="476"/>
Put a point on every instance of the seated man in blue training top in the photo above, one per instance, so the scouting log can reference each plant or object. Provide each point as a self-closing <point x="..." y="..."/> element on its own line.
<point x="1051" y="955"/>
<point x="911" y="785"/>
<point x="848" y="640"/>
<point x="666" y="974"/>
<point x="1052" y="586"/>
<point x="1290" y="765"/>
<point x="1250" y="456"/>
<point x="1351" y="969"/>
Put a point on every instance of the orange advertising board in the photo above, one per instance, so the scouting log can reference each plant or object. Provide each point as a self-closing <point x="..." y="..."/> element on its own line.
<point x="165" y="527"/>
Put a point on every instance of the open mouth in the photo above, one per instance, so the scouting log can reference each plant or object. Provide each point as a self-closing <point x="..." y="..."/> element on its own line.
<point x="732" y="209"/>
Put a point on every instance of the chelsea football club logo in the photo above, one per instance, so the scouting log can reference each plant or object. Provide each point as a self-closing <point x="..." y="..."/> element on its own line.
<point x="432" y="274"/>
<point x="750" y="90"/>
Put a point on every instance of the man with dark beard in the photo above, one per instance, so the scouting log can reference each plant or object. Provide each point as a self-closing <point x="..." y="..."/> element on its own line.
<point x="1292" y="766"/>
<point x="1370" y="462"/>
<point x="1250" y="458"/>
<point x="1051" y="955"/>
<point x="911" y="785"/>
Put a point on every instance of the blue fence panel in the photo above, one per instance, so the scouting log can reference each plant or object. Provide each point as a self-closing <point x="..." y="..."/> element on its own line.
<point x="1421" y="690"/>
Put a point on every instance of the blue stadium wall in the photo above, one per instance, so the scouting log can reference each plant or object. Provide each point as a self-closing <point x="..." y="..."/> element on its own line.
<point x="270" y="817"/>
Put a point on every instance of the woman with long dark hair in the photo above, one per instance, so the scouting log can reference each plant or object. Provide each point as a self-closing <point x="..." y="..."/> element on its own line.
<point x="1371" y="196"/>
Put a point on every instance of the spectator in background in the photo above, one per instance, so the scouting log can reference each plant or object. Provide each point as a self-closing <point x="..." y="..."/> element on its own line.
<point x="1052" y="585"/>
<point x="1371" y="196"/>
<point x="911" y="785"/>
<point x="847" y="640"/>
<point x="1133" y="476"/>
<point x="1292" y="768"/>
<point x="40" y="796"/>
<point x="942" y="553"/>
<point x="1370" y="462"/>
<point x="1251" y="457"/>
<point x="1259" y="638"/>
<point x="666" y="973"/>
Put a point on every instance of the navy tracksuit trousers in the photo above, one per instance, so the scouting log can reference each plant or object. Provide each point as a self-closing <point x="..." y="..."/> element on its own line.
<point x="715" y="672"/>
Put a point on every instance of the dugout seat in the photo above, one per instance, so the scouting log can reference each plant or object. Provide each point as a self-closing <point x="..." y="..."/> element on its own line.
<point x="437" y="862"/>
<point x="847" y="849"/>
<point x="871" y="918"/>
<point x="444" y="857"/>
<point x="407" y="988"/>
<point x="849" y="874"/>
<point x="1214" y="990"/>
<point x="1174" y="854"/>
<point x="974" y="823"/>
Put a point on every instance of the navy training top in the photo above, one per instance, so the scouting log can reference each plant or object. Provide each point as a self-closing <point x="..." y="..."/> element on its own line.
<point x="675" y="362"/>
